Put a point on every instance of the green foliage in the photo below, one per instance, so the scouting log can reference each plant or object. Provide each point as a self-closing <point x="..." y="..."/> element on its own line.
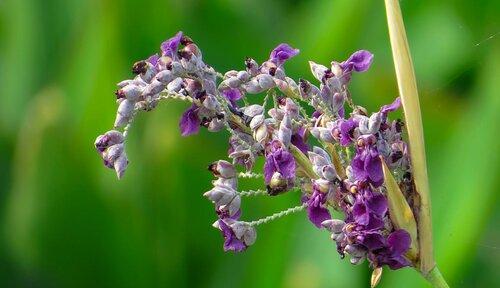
<point x="66" y="221"/>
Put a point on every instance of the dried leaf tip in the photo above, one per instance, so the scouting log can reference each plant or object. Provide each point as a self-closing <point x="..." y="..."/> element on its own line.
<point x="376" y="276"/>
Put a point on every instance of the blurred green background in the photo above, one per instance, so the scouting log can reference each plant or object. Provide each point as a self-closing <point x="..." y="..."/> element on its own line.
<point x="66" y="221"/>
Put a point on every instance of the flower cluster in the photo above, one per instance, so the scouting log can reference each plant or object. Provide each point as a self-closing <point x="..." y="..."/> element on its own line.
<point x="342" y="172"/>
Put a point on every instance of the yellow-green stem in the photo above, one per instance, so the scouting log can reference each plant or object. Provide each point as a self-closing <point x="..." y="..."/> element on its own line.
<point x="408" y="91"/>
<point x="436" y="278"/>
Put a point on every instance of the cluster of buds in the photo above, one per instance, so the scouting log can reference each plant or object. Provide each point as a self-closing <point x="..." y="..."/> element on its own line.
<point x="344" y="173"/>
<point x="110" y="147"/>
<point x="238" y="235"/>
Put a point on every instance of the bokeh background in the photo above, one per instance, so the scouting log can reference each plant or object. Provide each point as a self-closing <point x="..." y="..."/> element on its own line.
<point x="66" y="221"/>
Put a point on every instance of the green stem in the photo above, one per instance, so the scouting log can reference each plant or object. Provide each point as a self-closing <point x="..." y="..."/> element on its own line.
<point x="436" y="278"/>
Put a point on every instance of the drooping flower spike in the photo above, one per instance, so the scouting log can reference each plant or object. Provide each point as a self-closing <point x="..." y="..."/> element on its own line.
<point x="344" y="174"/>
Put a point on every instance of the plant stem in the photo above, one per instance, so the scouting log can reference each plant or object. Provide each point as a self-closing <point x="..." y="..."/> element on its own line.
<point x="436" y="278"/>
<point x="409" y="95"/>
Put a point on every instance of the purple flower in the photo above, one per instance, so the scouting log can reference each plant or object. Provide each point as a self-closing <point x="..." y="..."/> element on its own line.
<point x="300" y="141"/>
<point x="398" y="242"/>
<point x="367" y="167"/>
<point x="359" y="61"/>
<point x="107" y="140"/>
<point x="231" y="242"/>
<point x="391" y="107"/>
<point x="316" y="208"/>
<point x="369" y="209"/>
<point x="279" y="168"/>
<point x="279" y="160"/>
<point x="282" y="53"/>
<point x="170" y="46"/>
<point x="153" y="59"/>
<point x="190" y="122"/>
<point x="346" y="131"/>
<point x="232" y="95"/>
<point x="372" y="240"/>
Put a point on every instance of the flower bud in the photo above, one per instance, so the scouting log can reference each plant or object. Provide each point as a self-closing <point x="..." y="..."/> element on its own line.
<point x="291" y="108"/>
<point x="336" y="69"/>
<point x="226" y="182"/>
<point x="191" y="50"/>
<point x="243" y="76"/>
<point x="326" y="135"/>
<point x="165" y="76"/>
<point x="149" y="74"/>
<point x="329" y="173"/>
<point x="333" y="225"/>
<point x="230" y="73"/>
<point x="363" y="125"/>
<point x="233" y="206"/>
<point x="177" y="68"/>
<point x="121" y="165"/>
<point x="222" y="169"/>
<point x="176" y="85"/>
<point x="131" y="92"/>
<point x="252" y="66"/>
<point x="215" y="125"/>
<point x="210" y="103"/>
<point x="154" y="88"/>
<point x="265" y="81"/>
<point x="253" y="110"/>
<point x="256" y="121"/>
<point x="112" y="153"/>
<point x="102" y="142"/>
<point x="232" y="82"/>
<point x="277" y="114"/>
<point x="253" y="87"/>
<point x="375" y="122"/>
<point x="225" y="199"/>
<point x="357" y="260"/>
<point x="318" y="70"/>
<point x="261" y="134"/>
<point x="220" y="195"/>
<point x="124" y="113"/>
<point x="354" y="250"/>
<point x="285" y="130"/>
<point x="317" y="159"/>
<point x="337" y="101"/>
<point x="322" y="185"/>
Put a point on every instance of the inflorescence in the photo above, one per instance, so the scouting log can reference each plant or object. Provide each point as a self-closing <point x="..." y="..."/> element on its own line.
<point x="343" y="173"/>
